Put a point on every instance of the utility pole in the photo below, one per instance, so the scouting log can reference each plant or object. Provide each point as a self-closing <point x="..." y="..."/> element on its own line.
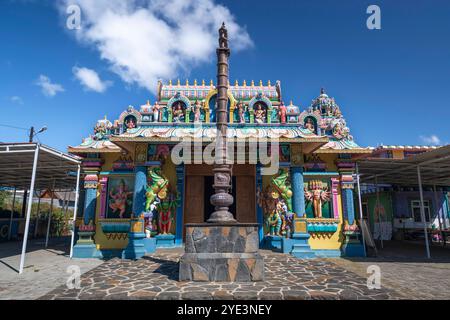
<point x="31" y="134"/>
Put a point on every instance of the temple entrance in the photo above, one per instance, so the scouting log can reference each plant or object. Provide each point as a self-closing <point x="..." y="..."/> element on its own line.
<point x="198" y="190"/>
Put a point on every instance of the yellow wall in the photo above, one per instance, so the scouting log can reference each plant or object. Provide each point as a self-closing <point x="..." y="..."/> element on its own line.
<point x="335" y="241"/>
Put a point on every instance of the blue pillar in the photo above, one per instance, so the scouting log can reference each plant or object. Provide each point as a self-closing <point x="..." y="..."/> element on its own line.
<point x="352" y="246"/>
<point x="298" y="191"/>
<point x="89" y="205"/>
<point x="349" y="208"/>
<point x="140" y="186"/>
<point x="259" y="211"/>
<point x="180" y="209"/>
<point x="136" y="235"/>
<point x="85" y="246"/>
<point x="300" y="237"/>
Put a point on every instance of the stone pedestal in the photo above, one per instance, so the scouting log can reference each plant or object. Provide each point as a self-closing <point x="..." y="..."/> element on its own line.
<point x="222" y="253"/>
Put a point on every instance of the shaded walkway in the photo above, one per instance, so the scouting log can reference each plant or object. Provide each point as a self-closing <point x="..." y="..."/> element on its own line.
<point x="46" y="268"/>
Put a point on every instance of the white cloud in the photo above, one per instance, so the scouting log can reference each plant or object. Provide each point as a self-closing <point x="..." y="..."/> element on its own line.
<point x="144" y="40"/>
<point x="90" y="79"/>
<point x="47" y="87"/>
<point x="432" y="139"/>
<point x="16" y="99"/>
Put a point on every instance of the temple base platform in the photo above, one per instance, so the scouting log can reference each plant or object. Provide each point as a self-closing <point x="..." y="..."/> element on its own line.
<point x="165" y="241"/>
<point x="222" y="252"/>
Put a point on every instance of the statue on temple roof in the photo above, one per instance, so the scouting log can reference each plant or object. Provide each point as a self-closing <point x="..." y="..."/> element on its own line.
<point x="197" y="111"/>
<point x="260" y="114"/>
<point x="282" y="113"/>
<point x="241" y="112"/>
<point x="178" y="113"/>
<point x="156" y="111"/>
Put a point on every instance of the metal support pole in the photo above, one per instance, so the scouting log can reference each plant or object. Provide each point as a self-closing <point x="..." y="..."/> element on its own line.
<point x="422" y="213"/>
<point x="75" y="209"/>
<point x="30" y="199"/>
<point x="377" y="207"/>
<point x="360" y="209"/>
<point x="12" y="214"/>
<point x="50" y="215"/>
<point x="438" y="209"/>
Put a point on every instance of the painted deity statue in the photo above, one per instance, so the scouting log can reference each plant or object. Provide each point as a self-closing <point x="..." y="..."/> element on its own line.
<point x="166" y="210"/>
<point x="282" y="113"/>
<point x="119" y="198"/>
<point x="130" y="124"/>
<point x="197" y="111"/>
<point x="165" y="203"/>
<point x="178" y="113"/>
<point x="157" y="189"/>
<point x="282" y="185"/>
<point x="317" y="193"/>
<point x="100" y="131"/>
<point x="156" y="112"/>
<point x="259" y="114"/>
<point x="309" y="124"/>
<point x="276" y="203"/>
<point x="241" y="112"/>
<point x="268" y="201"/>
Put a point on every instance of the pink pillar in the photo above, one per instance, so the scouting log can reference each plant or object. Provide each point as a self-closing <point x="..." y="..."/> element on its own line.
<point x="334" y="191"/>
<point x="103" y="196"/>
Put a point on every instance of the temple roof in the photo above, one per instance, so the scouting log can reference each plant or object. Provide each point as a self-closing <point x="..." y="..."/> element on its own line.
<point x="209" y="132"/>
<point x="200" y="91"/>
<point x="321" y="123"/>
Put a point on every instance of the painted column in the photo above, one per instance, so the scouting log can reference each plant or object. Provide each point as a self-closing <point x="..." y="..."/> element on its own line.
<point x="180" y="209"/>
<point x="298" y="191"/>
<point x="335" y="193"/>
<point x="136" y="235"/>
<point x="259" y="210"/>
<point x="90" y="185"/>
<point x="103" y="196"/>
<point x="85" y="246"/>
<point x="349" y="208"/>
<point x="353" y="246"/>
<point x="300" y="236"/>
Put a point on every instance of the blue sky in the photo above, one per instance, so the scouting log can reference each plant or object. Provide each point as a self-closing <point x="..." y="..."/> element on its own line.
<point x="392" y="84"/>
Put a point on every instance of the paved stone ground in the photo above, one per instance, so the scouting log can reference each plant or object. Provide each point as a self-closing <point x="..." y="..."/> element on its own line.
<point x="155" y="277"/>
<point x="45" y="269"/>
<point x="404" y="268"/>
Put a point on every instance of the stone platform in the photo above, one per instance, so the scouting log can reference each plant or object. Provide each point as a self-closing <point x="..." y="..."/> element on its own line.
<point x="222" y="252"/>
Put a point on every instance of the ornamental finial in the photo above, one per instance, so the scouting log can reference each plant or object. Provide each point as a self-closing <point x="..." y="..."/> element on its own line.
<point x="211" y="83"/>
<point x="260" y="83"/>
<point x="268" y="83"/>
<point x="322" y="91"/>
<point x="203" y="82"/>
<point x="178" y="82"/>
<point x="195" y="82"/>
<point x="236" y="83"/>
<point x="170" y="82"/>
<point x="148" y="102"/>
<point x="223" y="37"/>
<point x="253" y="83"/>
<point x="187" y="82"/>
<point x="244" y="83"/>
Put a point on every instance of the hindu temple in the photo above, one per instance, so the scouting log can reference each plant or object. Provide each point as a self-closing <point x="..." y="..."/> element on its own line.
<point x="147" y="174"/>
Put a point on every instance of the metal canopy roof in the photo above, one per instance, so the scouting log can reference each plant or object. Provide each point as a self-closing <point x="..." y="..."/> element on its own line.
<point x="434" y="169"/>
<point x="16" y="165"/>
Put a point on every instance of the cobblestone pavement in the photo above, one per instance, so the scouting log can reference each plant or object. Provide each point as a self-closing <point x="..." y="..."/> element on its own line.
<point x="45" y="269"/>
<point x="404" y="268"/>
<point x="156" y="277"/>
